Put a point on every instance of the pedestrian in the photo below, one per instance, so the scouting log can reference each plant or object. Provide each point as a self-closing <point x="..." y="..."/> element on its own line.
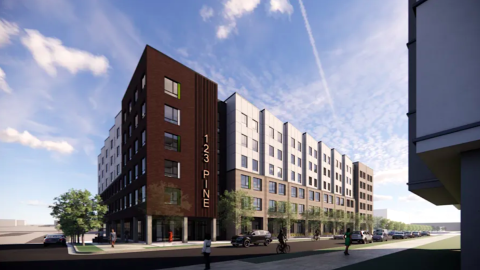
<point x="348" y="241"/>
<point x="170" y="237"/>
<point x="113" y="237"/>
<point x="206" y="250"/>
<point x="126" y="236"/>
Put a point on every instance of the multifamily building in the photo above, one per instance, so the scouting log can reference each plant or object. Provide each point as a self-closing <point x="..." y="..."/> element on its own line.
<point x="175" y="148"/>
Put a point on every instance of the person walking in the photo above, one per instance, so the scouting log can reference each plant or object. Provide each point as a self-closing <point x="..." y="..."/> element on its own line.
<point x="113" y="237"/>
<point x="206" y="250"/>
<point x="348" y="241"/>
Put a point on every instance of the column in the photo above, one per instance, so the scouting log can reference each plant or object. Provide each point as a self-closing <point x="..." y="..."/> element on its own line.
<point x="148" y="230"/>
<point x="122" y="230"/>
<point x="185" y="230"/>
<point x="470" y="214"/>
<point x="214" y="229"/>
<point x="135" y="230"/>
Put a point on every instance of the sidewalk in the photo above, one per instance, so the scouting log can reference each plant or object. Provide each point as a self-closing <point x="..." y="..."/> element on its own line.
<point x="323" y="260"/>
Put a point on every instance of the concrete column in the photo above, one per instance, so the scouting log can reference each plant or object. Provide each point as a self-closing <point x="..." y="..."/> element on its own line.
<point x="122" y="230"/>
<point x="214" y="229"/>
<point x="135" y="230"/>
<point x="185" y="230"/>
<point x="148" y="230"/>
<point x="265" y="224"/>
<point x="470" y="214"/>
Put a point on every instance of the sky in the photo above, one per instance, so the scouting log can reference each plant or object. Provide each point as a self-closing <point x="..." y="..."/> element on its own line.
<point x="335" y="69"/>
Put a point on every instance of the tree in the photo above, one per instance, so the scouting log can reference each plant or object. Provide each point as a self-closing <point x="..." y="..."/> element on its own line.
<point x="78" y="213"/>
<point x="369" y="221"/>
<point x="383" y="223"/>
<point x="236" y="207"/>
<point x="377" y="222"/>
<point x="285" y="215"/>
<point x="312" y="217"/>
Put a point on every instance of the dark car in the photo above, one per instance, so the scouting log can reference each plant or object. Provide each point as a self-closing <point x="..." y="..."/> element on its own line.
<point x="425" y="233"/>
<point x="416" y="234"/>
<point x="256" y="237"/>
<point x="409" y="234"/>
<point x="391" y="233"/>
<point x="379" y="236"/>
<point x="399" y="235"/>
<point x="58" y="239"/>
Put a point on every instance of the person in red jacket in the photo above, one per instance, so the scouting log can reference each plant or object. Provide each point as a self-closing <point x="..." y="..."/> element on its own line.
<point x="170" y="237"/>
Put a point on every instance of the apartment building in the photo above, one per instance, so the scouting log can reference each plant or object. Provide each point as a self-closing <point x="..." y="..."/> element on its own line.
<point x="444" y="112"/>
<point x="175" y="148"/>
<point x="363" y="189"/>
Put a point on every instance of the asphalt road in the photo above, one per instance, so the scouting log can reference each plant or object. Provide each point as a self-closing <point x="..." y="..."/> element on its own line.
<point x="35" y="256"/>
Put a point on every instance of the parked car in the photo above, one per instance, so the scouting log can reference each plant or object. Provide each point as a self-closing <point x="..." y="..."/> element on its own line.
<point x="416" y="234"/>
<point x="379" y="237"/>
<point x="425" y="233"/>
<point x="391" y="233"/>
<point x="362" y="237"/>
<point x="399" y="235"/>
<point x="384" y="232"/>
<point x="409" y="234"/>
<point x="58" y="239"/>
<point x="255" y="237"/>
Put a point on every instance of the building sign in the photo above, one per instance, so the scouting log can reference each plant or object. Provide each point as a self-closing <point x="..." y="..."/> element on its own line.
<point x="205" y="174"/>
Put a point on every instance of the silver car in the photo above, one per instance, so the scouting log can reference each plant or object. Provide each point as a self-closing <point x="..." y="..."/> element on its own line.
<point x="380" y="237"/>
<point x="362" y="237"/>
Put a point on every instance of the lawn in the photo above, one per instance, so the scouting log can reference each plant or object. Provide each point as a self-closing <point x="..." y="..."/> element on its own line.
<point x="87" y="248"/>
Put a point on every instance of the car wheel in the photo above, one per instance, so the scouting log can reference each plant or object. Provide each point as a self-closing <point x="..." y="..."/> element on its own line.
<point x="246" y="243"/>
<point x="266" y="243"/>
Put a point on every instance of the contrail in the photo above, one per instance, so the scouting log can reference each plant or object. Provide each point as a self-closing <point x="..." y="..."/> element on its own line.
<point x="317" y="58"/>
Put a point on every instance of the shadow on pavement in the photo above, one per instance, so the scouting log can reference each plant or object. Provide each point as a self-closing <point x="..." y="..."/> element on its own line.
<point x="29" y="247"/>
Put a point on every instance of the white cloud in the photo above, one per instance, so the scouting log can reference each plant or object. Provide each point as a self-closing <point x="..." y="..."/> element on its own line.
<point x="317" y="57"/>
<point x="282" y="6"/>
<point x="7" y="29"/>
<point x="11" y="135"/>
<point x="396" y="176"/>
<point x="3" y="82"/>
<point x="410" y="198"/>
<point x="233" y="10"/>
<point x="377" y="197"/>
<point x="49" y="52"/>
<point x="35" y="203"/>
<point x="183" y="52"/>
<point x="206" y="12"/>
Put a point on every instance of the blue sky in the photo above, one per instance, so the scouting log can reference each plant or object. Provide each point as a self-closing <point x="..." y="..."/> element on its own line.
<point x="336" y="69"/>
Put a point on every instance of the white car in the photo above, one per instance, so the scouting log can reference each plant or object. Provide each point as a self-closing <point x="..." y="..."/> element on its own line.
<point x="362" y="237"/>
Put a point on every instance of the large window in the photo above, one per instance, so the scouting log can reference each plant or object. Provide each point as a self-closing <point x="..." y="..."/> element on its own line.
<point x="144" y="137"/>
<point x="301" y="193"/>
<point x="299" y="145"/>
<point x="279" y="172"/>
<point x="292" y="159"/>
<point x="310" y="150"/>
<point x="245" y="181"/>
<point x="244" y="141"/>
<point x="257" y="184"/>
<point x="272" y="206"/>
<point x="325" y="198"/>
<point x="314" y="167"/>
<point x="255" y="145"/>
<point x="272" y="187"/>
<point x="293" y="192"/>
<point x="257" y="204"/>
<point x="310" y="195"/>
<point x="136" y="171"/>
<point x="292" y="142"/>
<point x="136" y="146"/>
<point x="172" y="142"/>
<point x="172" y="88"/>
<point x="299" y="178"/>
<point x="281" y="189"/>
<point x="144" y="165"/>
<point x="255" y="125"/>
<point x="315" y="154"/>
<point x="292" y="176"/>
<point x="172" y="115"/>
<point x="301" y="209"/>
<point x="281" y="207"/>
<point x="144" y="110"/>
<point x="299" y="162"/>
<point x="271" y="132"/>
<point x="172" y="169"/>
<point x="310" y="180"/>
<point x="255" y="165"/>
<point x="279" y="154"/>
<point x="172" y="196"/>
<point x="330" y="199"/>
<point x="144" y="81"/>
<point x="279" y="137"/>
<point x="271" y="151"/>
<point x="310" y="165"/>
<point x="244" y="120"/>
<point x="317" y="196"/>
<point x="271" y="169"/>
<point x="244" y="162"/>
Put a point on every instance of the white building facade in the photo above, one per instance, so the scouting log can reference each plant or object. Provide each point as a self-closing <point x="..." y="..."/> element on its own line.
<point x="110" y="158"/>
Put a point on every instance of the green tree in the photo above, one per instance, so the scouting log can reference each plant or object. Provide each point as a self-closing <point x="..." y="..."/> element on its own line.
<point x="312" y="218"/>
<point x="377" y="222"/>
<point x="78" y="212"/>
<point x="369" y="221"/>
<point x="285" y="215"/>
<point x="236" y="207"/>
<point x="383" y="223"/>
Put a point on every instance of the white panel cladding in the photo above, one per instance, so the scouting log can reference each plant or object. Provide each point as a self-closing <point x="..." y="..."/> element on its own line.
<point x="110" y="158"/>
<point x="337" y="162"/>
<point x="325" y="167"/>
<point x="310" y="161"/>
<point x="242" y="117"/>
<point x="347" y="175"/>
<point x="272" y="122"/>
<point x="296" y="135"/>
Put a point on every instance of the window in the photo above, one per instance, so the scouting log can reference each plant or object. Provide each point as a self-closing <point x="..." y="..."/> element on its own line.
<point x="172" y="195"/>
<point x="299" y="162"/>
<point x="144" y="110"/>
<point x="244" y="120"/>
<point x="310" y="195"/>
<point x="257" y="204"/>
<point x="136" y="120"/>
<point x="292" y="176"/>
<point x="130" y="130"/>
<point x="118" y="151"/>
<point x="255" y="125"/>
<point x="325" y="171"/>
<point x="124" y="138"/>
<point x="310" y="180"/>
<point x="336" y="164"/>
<point x="255" y="145"/>
<point x="301" y="193"/>
<point x="310" y="150"/>
<point x="325" y="198"/>
<point x="310" y="165"/>
<point x="255" y="165"/>
<point x="136" y="171"/>
<point x="172" y="115"/>
<point x="144" y="81"/>
<point x="301" y="209"/>
<point x="329" y="186"/>
<point x="130" y="200"/>
<point x="315" y="167"/>
<point x="328" y="160"/>
<point x="340" y="164"/>
<point x="281" y="207"/>
<point x="330" y="199"/>
<point x="130" y="107"/>
<point x="130" y="153"/>
<point x="292" y="142"/>
<point x="279" y="172"/>
<point x="317" y="196"/>
<point x="125" y="160"/>
<point x="279" y="154"/>
<point x="172" y="169"/>
<point x="315" y="183"/>
<point x="172" y="142"/>
<point x="136" y="146"/>
<point x="144" y="165"/>
<point x="299" y="178"/>
<point x="257" y="184"/>
<point x="124" y="117"/>
<point x="336" y="188"/>
<point x="337" y="200"/>
<point x="272" y="206"/>
<point x="271" y="132"/>
<point x="281" y="189"/>
<point x="279" y="137"/>
<point x="336" y="176"/>
<point x="118" y="132"/>
<point x="293" y="192"/>
<point x="315" y="154"/>
<point x="245" y="181"/>
<point x="271" y="169"/>
<point x="111" y="160"/>
<point x="324" y="157"/>
<point x="328" y="173"/>
<point x="272" y="187"/>
<point x="244" y="141"/>
<point x="118" y="169"/>
<point x="244" y="162"/>
<point x="271" y="151"/>
<point x="144" y="137"/>
<point x="172" y="88"/>
<point x="292" y="159"/>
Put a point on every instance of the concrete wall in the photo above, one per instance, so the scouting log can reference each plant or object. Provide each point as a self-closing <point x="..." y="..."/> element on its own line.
<point x="12" y="223"/>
